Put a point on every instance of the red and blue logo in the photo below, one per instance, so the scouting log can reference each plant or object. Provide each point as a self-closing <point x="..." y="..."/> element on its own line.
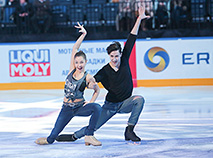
<point x="29" y="63"/>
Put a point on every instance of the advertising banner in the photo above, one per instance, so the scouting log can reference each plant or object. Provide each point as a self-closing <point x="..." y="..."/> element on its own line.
<point x="169" y="62"/>
<point x="47" y="62"/>
<point x="174" y="59"/>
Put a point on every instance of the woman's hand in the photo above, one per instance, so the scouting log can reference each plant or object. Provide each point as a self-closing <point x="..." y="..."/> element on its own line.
<point x="82" y="29"/>
<point x="141" y="11"/>
<point x="92" y="84"/>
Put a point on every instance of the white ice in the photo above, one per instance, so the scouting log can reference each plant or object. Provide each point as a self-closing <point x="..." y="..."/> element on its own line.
<point x="175" y="122"/>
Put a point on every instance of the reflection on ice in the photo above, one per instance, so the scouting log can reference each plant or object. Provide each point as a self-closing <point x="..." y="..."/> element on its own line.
<point x="175" y="122"/>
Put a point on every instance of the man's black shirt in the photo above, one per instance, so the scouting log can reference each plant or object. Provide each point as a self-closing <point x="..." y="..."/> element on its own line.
<point x="118" y="83"/>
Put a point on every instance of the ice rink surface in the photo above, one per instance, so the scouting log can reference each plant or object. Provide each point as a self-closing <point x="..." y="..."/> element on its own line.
<point x="175" y="122"/>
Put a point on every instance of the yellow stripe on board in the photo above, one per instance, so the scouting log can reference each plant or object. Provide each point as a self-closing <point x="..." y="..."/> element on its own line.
<point x="140" y="83"/>
<point x="175" y="82"/>
<point x="32" y="85"/>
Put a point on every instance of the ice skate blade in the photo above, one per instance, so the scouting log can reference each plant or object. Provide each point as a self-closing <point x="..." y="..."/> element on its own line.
<point x="88" y="144"/>
<point x="133" y="143"/>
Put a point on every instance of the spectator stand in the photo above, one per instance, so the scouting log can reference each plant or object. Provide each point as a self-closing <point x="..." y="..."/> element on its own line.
<point x="7" y="22"/>
<point x="197" y="10"/>
<point x="110" y="11"/>
<point x="59" y="14"/>
<point x="161" y="14"/>
<point x="102" y="16"/>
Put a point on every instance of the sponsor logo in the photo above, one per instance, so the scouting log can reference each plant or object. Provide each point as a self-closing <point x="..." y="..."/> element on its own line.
<point x="196" y="58"/>
<point x="156" y="66"/>
<point x="29" y="63"/>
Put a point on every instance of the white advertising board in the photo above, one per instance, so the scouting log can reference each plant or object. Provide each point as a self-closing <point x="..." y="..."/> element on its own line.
<point x="46" y="62"/>
<point x="187" y="58"/>
<point x="174" y="58"/>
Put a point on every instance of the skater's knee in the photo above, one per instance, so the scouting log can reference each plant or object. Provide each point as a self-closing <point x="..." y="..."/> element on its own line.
<point x="96" y="107"/>
<point x="139" y="99"/>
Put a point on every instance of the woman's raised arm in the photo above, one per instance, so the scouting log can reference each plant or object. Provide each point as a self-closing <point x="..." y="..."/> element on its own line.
<point x="77" y="44"/>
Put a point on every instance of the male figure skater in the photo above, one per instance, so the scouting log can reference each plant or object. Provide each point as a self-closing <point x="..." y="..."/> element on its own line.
<point x="117" y="79"/>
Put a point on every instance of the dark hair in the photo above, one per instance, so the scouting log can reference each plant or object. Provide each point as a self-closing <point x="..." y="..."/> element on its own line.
<point x="114" y="46"/>
<point x="80" y="53"/>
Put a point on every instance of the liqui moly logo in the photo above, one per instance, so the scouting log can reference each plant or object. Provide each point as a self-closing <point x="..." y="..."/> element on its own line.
<point x="27" y="63"/>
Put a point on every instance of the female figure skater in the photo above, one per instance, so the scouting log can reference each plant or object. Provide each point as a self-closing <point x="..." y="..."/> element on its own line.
<point x="117" y="80"/>
<point x="74" y="103"/>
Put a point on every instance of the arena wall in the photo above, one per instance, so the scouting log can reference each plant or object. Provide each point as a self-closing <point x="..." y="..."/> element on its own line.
<point x="163" y="62"/>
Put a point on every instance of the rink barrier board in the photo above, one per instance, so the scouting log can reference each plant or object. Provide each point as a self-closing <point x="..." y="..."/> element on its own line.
<point x="140" y="83"/>
<point x="183" y="71"/>
<point x="175" y="82"/>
